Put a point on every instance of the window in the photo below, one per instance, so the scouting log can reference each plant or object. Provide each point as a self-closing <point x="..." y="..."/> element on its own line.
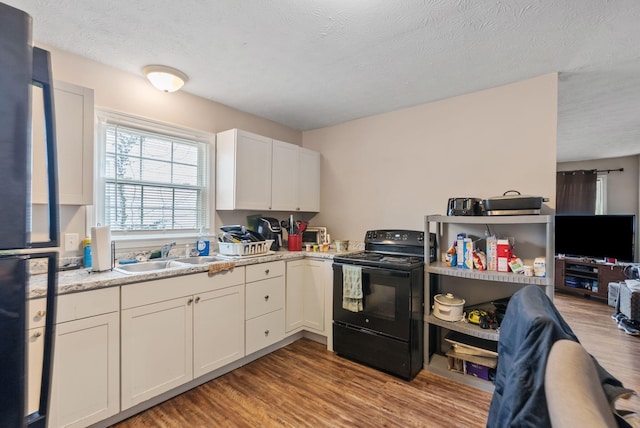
<point x="153" y="178"/>
<point x="601" y="194"/>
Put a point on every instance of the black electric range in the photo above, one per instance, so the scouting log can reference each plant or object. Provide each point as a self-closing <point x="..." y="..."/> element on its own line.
<point x="382" y="328"/>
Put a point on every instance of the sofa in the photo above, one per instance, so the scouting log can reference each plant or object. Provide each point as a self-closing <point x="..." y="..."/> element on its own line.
<point x="545" y="377"/>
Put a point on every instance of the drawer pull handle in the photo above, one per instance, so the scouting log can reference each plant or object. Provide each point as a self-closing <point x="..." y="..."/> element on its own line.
<point x="266" y="333"/>
<point x="197" y="299"/>
<point x="36" y="335"/>
<point x="266" y="298"/>
<point x="266" y="272"/>
<point x="41" y="314"/>
<point x="190" y="301"/>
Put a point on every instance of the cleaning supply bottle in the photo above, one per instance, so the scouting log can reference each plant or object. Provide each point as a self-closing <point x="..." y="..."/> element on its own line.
<point x="86" y="247"/>
<point x="202" y="244"/>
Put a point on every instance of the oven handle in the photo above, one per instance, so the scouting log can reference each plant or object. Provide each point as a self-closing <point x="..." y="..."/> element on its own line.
<point x="379" y="271"/>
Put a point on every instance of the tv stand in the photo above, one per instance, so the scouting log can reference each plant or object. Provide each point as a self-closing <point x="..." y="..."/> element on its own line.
<point x="585" y="276"/>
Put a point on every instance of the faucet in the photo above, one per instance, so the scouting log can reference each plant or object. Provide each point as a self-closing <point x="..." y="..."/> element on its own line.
<point x="164" y="251"/>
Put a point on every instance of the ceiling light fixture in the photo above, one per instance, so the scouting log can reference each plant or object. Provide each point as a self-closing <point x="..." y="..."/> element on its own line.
<point x="165" y="78"/>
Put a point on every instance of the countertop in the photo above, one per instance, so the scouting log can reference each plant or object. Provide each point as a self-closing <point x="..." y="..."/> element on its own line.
<point x="84" y="279"/>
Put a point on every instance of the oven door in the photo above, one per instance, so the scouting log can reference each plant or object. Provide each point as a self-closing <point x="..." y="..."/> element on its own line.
<point x="387" y="305"/>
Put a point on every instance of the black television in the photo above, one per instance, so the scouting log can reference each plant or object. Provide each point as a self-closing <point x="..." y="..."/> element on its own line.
<point x="596" y="236"/>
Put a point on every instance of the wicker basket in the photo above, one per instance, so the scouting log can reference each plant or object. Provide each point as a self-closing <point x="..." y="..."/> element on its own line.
<point x="248" y="249"/>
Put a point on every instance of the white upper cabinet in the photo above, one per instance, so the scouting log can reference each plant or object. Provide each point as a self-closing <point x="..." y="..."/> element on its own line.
<point x="284" y="177"/>
<point x="74" y="134"/>
<point x="243" y="171"/>
<point x="255" y="172"/>
<point x="308" y="180"/>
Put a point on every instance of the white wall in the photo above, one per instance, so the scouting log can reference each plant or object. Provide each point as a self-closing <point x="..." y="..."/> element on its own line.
<point x="622" y="187"/>
<point x="133" y="94"/>
<point x="389" y="170"/>
<point x="382" y="171"/>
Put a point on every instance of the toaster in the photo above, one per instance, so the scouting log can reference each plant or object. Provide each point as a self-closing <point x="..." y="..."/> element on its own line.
<point x="464" y="206"/>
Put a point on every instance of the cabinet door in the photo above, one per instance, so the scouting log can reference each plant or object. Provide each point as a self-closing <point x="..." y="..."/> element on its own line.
<point x="157" y="349"/>
<point x="253" y="176"/>
<point x="309" y="180"/>
<point x="294" y="314"/>
<point x="35" y="353"/>
<point x="218" y="329"/>
<point x="314" y="295"/>
<point x="607" y="274"/>
<point x="284" y="174"/>
<point x="74" y="134"/>
<point x="85" y="381"/>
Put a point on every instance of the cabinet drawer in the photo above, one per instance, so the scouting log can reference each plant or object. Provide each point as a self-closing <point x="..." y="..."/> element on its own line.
<point x="36" y="311"/>
<point x="88" y="303"/>
<point x="264" y="331"/>
<point x="160" y="290"/>
<point x="264" y="271"/>
<point x="265" y="296"/>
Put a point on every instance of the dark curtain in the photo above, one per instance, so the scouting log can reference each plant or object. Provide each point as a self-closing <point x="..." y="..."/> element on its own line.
<point x="576" y="192"/>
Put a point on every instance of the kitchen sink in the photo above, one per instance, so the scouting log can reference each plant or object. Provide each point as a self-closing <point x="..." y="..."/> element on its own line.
<point x="199" y="260"/>
<point x="166" y="264"/>
<point x="149" y="266"/>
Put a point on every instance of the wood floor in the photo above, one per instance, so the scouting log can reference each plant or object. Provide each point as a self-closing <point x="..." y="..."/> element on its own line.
<point x="303" y="385"/>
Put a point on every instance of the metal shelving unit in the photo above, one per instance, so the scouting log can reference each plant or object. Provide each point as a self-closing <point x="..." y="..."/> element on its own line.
<point x="435" y="328"/>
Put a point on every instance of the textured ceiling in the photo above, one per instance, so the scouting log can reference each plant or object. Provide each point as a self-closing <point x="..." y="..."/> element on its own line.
<point x="314" y="63"/>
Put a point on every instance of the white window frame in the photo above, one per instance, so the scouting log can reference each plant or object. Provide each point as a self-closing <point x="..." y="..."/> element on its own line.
<point x="601" y="194"/>
<point x="132" y="239"/>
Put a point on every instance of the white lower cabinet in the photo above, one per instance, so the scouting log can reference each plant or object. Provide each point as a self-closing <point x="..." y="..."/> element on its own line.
<point x="218" y="329"/>
<point x="265" y="318"/>
<point x="308" y="294"/>
<point x="36" y="312"/>
<point x="156" y="349"/>
<point x="85" y="381"/>
<point x="35" y="351"/>
<point x="317" y="280"/>
<point x="296" y="272"/>
<point x="85" y="385"/>
<point x="118" y="347"/>
<point x="176" y="329"/>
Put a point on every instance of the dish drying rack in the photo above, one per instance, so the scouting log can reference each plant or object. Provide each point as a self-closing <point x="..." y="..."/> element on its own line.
<point x="244" y="249"/>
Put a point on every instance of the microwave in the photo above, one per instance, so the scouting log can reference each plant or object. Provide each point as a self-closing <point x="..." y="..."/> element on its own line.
<point x="314" y="235"/>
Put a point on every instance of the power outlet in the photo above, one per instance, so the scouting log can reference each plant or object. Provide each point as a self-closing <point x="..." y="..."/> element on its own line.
<point x="71" y="242"/>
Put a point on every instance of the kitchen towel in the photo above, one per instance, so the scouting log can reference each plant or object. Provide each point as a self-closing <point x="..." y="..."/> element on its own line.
<point x="214" y="268"/>
<point x="100" y="248"/>
<point x="352" y="288"/>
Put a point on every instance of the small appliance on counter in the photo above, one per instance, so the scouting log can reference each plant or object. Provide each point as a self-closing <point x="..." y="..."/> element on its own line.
<point x="315" y="235"/>
<point x="269" y="227"/>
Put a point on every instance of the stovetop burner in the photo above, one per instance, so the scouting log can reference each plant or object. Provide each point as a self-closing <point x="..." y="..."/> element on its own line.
<point x="380" y="260"/>
<point x="392" y="248"/>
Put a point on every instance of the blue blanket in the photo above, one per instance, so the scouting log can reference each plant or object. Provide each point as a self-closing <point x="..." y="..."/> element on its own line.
<point x="530" y="327"/>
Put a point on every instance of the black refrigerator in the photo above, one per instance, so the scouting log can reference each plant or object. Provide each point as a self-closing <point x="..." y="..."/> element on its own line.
<point x="23" y="66"/>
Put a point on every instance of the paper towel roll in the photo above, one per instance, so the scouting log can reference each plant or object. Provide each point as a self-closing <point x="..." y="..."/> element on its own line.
<point x="101" y="248"/>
